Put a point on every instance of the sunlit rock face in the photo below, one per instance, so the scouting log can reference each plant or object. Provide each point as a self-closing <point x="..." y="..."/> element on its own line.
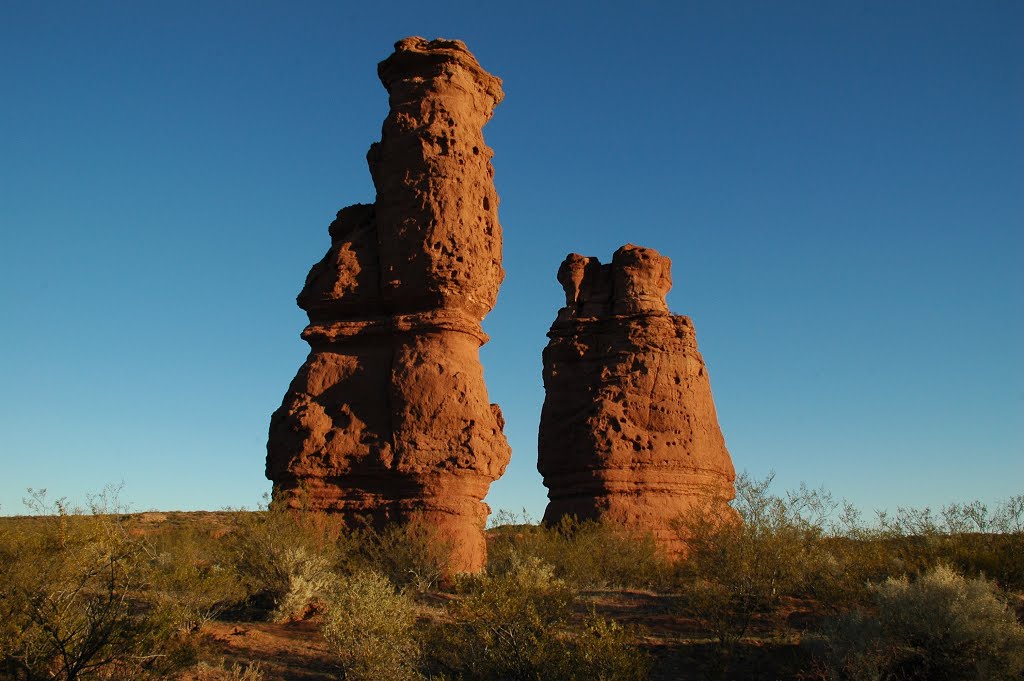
<point x="628" y="431"/>
<point x="388" y="419"/>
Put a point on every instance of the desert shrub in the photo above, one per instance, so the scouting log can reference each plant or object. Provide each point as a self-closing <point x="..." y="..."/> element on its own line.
<point x="285" y="559"/>
<point x="371" y="629"/>
<point x="585" y="554"/>
<point x="968" y="536"/>
<point x="516" y="626"/>
<point x="735" y="570"/>
<point x="70" y="599"/>
<point x="504" y="626"/>
<point x="940" y="626"/>
<point x="852" y="556"/>
<point x="191" y="577"/>
<point x="605" y="651"/>
<point x="288" y="558"/>
<point x="409" y="554"/>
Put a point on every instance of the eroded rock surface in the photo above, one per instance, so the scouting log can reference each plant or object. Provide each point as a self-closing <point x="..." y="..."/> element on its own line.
<point x="628" y="431"/>
<point x="388" y="418"/>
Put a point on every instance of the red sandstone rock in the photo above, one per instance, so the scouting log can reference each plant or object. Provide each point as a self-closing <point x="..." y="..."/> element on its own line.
<point x="628" y="431"/>
<point x="389" y="417"/>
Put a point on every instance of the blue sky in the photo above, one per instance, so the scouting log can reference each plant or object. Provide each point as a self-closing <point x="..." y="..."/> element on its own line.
<point x="840" y="187"/>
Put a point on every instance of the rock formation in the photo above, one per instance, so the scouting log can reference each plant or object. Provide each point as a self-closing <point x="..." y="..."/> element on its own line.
<point x="628" y="431"/>
<point x="388" y="419"/>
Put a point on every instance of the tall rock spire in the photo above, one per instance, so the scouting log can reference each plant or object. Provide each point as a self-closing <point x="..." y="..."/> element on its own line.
<point x="389" y="418"/>
<point x="628" y="431"/>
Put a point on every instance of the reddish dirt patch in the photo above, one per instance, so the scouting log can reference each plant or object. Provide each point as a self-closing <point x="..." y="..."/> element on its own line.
<point x="294" y="651"/>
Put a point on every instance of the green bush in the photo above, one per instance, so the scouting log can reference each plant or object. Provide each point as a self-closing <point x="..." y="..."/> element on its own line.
<point x="410" y="554"/>
<point x="371" y="628"/>
<point x="735" y="571"/>
<point x="585" y="554"/>
<point x="849" y="563"/>
<point x="516" y="626"/>
<point x="940" y="626"/>
<point x="606" y="651"/>
<point x="285" y="560"/>
<point x="968" y="536"/>
<point x="71" y="599"/>
<point x="191" y="577"/>
<point x="503" y="628"/>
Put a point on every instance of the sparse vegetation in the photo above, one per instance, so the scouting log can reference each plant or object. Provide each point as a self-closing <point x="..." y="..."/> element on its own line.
<point x="742" y="568"/>
<point x="515" y="626"/>
<point x="410" y="555"/>
<point x="798" y="587"/>
<point x="586" y="554"/>
<point x="371" y="627"/>
<point x="191" y="577"/>
<point x="73" y="598"/>
<point x="940" y="625"/>
<point x="223" y="672"/>
<point x="285" y="560"/>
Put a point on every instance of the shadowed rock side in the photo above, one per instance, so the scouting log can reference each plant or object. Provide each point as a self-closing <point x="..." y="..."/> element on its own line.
<point x="628" y="431"/>
<point x="389" y="419"/>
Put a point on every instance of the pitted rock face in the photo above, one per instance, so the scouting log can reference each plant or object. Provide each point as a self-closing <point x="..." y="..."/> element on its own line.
<point x="389" y="419"/>
<point x="641" y="278"/>
<point x="628" y="430"/>
<point x="435" y="185"/>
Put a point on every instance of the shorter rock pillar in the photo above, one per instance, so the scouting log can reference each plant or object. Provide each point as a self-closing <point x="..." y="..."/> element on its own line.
<point x="628" y="432"/>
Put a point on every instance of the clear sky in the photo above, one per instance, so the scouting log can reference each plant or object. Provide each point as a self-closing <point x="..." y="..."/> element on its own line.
<point x="840" y="187"/>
